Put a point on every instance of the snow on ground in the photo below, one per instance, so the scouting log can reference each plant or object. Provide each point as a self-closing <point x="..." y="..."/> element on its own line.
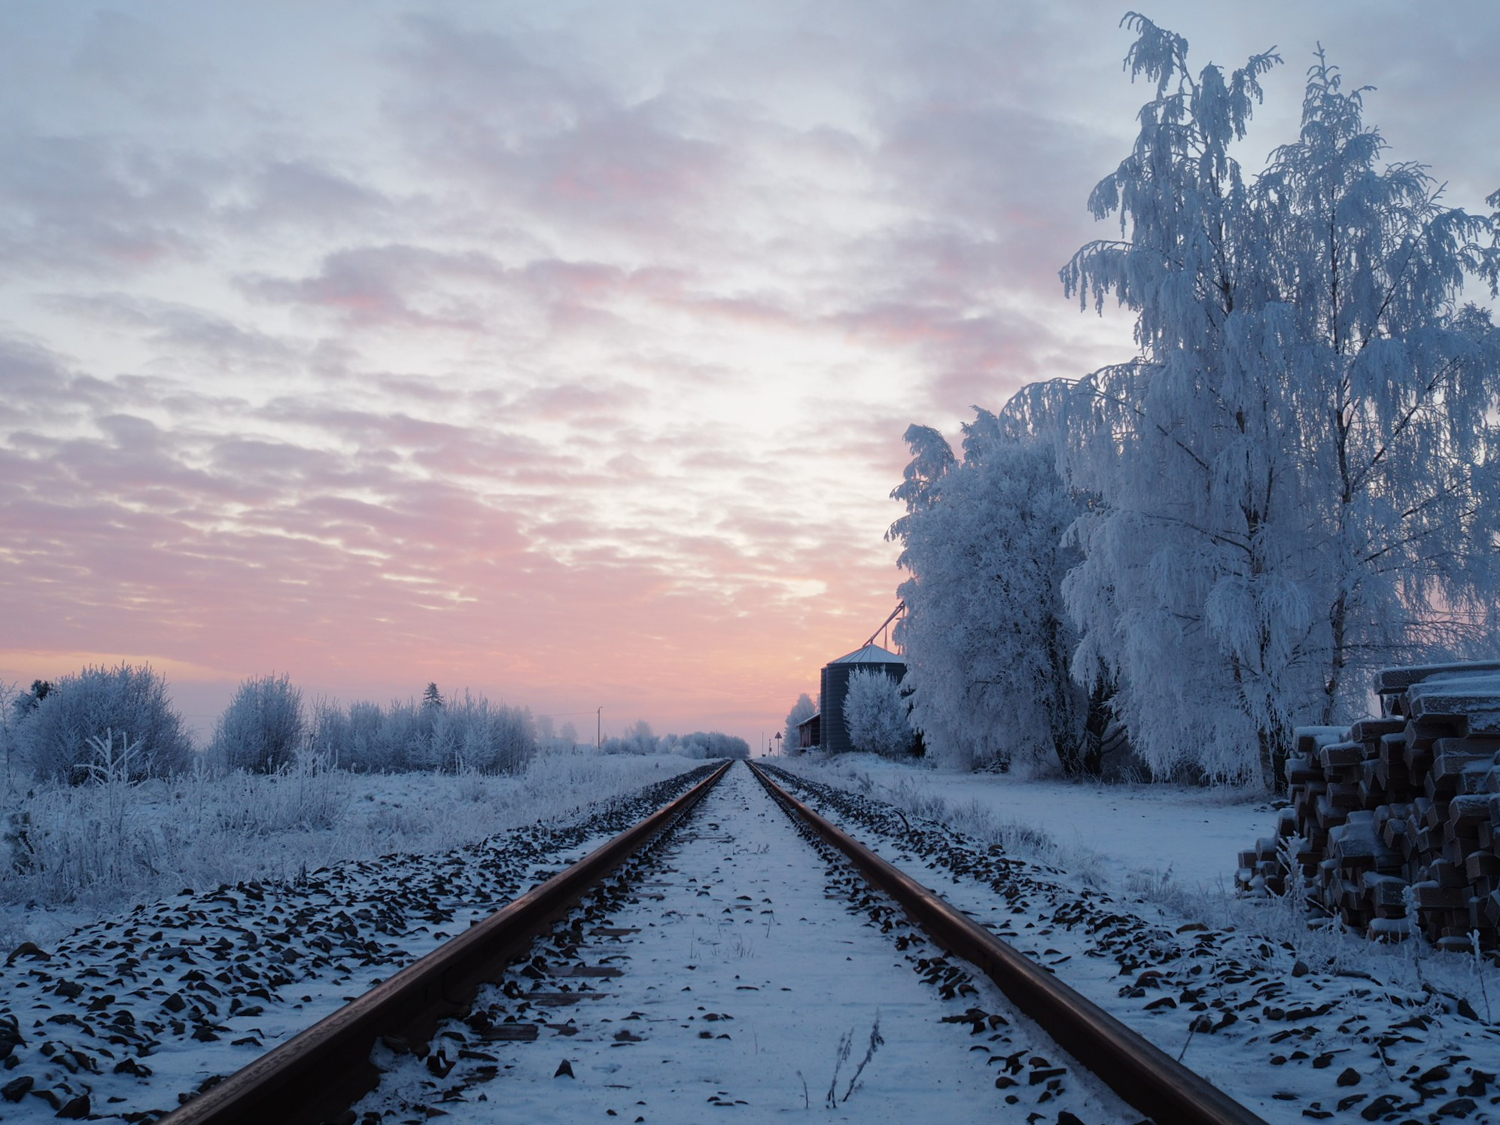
<point x="1294" y="1023"/>
<point x="732" y="970"/>
<point x="126" y="1016"/>
<point x="151" y="1001"/>
<point x="75" y="855"/>
<point x="1117" y="834"/>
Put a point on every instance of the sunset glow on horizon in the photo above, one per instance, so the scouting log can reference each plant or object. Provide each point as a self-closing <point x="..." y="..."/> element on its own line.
<point x="560" y="352"/>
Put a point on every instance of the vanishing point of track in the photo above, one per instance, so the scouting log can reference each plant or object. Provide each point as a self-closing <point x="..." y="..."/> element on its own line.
<point x="320" y="1074"/>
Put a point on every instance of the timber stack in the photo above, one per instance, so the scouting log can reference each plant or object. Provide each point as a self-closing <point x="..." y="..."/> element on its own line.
<point x="1394" y="823"/>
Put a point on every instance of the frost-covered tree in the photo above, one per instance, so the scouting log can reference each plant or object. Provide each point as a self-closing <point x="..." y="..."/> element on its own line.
<point x="638" y="739"/>
<point x="546" y="730"/>
<point x="876" y="715"/>
<point x="1394" y="386"/>
<point x="473" y="733"/>
<point x="126" y="701"/>
<point x="23" y="703"/>
<point x="1288" y="472"/>
<point x="262" y="728"/>
<point x="10" y="720"/>
<point x="466" y="733"/>
<point x="642" y="737"/>
<point x="1181" y="445"/>
<point x="931" y="458"/>
<point x="801" y="711"/>
<point x="367" y="749"/>
<point x="986" y="638"/>
<point x="712" y="744"/>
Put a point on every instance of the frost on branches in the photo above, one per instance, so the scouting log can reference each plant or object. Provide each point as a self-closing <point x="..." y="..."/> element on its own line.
<point x="1290" y="470"/>
<point x="1284" y="488"/>
<point x="801" y="711"/>
<point x="876" y="715"/>
<point x="986" y="640"/>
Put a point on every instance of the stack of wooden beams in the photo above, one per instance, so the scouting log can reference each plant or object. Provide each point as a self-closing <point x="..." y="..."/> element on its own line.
<point x="1394" y="823"/>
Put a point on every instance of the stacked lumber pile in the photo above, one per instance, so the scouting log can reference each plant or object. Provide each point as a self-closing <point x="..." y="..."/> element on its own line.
<point x="1394" y="823"/>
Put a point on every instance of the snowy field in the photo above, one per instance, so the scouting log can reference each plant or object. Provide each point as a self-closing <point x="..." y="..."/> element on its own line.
<point x="74" y="855"/>
<point x="197" y="983"/>
<point x="1119" y="836"/>
<point x="124" y="1017"/>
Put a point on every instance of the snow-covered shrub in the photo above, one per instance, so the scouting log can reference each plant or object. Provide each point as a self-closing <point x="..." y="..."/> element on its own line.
<point x="801" y="711"/>
<point x="305" y="794"/>
<point x="876" y="715"/>
<point x="467" y="733"/>
<point x="362" y="748"/>
<point x="639" y="739"/>
<point x="401" y="740"/>
<point x="644" y="737"/>
<point x="124" y="701"/>
<point x="491" y="737"/>
<point x="13" y="709"/>
<point x="263" y="727"/>
<point x="711" y="744"/>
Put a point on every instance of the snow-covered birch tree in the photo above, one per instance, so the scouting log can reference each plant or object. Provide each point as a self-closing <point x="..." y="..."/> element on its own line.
<point x="1395" y="387"/>
<point x="985" y="636"/>
<point x="1184" y="592"/>
<point x="1288" y="474"/>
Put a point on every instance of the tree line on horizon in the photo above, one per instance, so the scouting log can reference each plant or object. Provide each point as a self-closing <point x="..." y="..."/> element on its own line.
<point x="120" y="720"/>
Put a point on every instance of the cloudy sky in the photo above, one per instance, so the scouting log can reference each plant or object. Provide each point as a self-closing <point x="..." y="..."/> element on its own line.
<point x="560" y="350"/>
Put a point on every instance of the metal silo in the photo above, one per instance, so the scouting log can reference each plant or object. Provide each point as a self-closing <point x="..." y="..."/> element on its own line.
<point x="835" y="685"/>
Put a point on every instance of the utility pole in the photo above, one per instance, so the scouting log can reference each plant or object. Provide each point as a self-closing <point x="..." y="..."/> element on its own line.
<point x="599" y="729"/>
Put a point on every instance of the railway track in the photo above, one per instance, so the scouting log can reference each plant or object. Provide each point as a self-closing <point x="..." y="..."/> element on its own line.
<point x="707" y="960"/>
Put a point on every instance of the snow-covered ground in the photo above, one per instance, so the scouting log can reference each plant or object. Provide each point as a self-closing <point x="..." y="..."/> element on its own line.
<point x="1123" y="891"/>
<point x="739" y="977"/>
<point x="1119" y="835"/>
<point x="74" y="855"/>
<point x="128" y="1015"/>
<point x="1294" y="1023"/>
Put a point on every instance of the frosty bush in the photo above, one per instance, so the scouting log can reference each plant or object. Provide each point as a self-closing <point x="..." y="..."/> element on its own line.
<point x="451" y="736"/>
<point x="711" y="744"/>
<point x="125" y="701"/>
<point x="801" y="711"/>
<point x="263" y="727"/>
<point x="876" y="715"/>
<point x="639" y="739"/>
<point x="12" y="711"/>
<point x="484" y="736"/>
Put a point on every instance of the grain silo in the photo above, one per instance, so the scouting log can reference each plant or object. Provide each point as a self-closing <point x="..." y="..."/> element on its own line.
<point x="835" y="685"/>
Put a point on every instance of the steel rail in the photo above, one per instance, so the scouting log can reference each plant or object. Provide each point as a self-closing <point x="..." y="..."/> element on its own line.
<point x="319" y="1073"/>
<point x="1146" y="1077"/>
